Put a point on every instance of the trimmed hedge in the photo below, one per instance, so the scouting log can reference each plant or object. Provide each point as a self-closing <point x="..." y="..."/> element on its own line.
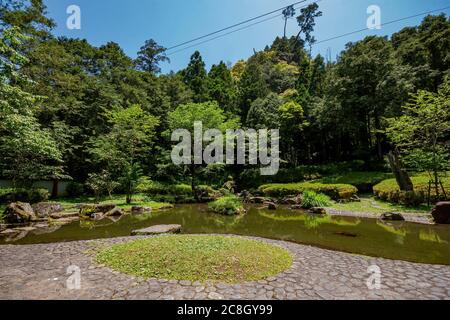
<point x="388" y="190"/>
<point x="158" y="188"/>
<point x="252" y="178"/>
<point x="335" y="191"/>
<point x="363" y="180"/>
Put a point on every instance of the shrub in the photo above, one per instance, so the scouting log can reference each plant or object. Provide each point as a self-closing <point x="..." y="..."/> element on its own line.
<point x="32" y="195"/>
<point x="38" y="195"/>
<point x="312" y="199"/>
<point x="363" y="180"/>
<point x="335" y="191"/>
<point x="388" y="190"/>
<point x="157" y="188"/>
<point x="74" y="189"/>
<point x="230" y="205"/>
<point x="251" y="178"/>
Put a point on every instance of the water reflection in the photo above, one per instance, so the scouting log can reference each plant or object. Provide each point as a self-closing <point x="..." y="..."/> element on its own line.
<point x="396" y="240"/>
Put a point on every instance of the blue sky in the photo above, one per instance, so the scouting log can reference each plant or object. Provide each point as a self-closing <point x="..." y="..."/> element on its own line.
<point x="170" y="22"/>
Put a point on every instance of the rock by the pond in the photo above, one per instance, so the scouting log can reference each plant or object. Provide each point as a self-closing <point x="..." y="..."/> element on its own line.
<point x="159" y="229"/>
<point x="62" y="215"/>
<point x="88" y="209"/>
<point x="19" y="212"/>
<point x="441" y="213"/>
<point x="293" y="201"/>
<point x="318" y="211"/>
<point x="392" y="216"/>
<point x="44" y="209"/>
<point x="271" y="205"/>
<point x="114" y="212"/>
<point x="259" y="200"/>
<point x="140" y="209"/>
<point x="296" y="207"/>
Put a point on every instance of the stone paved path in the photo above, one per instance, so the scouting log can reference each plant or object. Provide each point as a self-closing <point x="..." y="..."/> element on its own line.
<point x="39" y="272"/>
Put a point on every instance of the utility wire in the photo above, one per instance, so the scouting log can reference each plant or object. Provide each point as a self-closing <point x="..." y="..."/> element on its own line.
<point x="318" y="42"/>
<point x="231" y="32"/>
<point x="235" y="25"/>
<point x="382" y="25"/>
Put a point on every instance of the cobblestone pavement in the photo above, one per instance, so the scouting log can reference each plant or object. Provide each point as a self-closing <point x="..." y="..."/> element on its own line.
<point x="40" y="272"/>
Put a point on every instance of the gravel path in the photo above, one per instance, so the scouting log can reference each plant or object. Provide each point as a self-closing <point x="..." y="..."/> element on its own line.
<point x="40" y="272"/>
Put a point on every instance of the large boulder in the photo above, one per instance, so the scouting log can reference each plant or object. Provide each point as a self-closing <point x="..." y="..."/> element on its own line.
<point x="115" y="212"/>
<point x="91" y="209"/>
<point x="441" y="213"/>
<point x="160" y="229"/>
<point x="20" y="212"/>
<point x="271" y="205"/>
<point x="392" y="216"/>
<point x="45" y="209"/>
<point x="318" y="211"/>
<point x="140" y="209"/>
<point x="292" y="200"/>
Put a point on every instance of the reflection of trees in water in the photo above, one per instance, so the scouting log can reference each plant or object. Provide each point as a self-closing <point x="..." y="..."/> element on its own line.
<point x="312" y="221"/>
<point x="430" y="235"/>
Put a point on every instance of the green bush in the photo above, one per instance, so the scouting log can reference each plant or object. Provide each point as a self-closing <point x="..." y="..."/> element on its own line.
<point x="74" y="189"/>
<point x="312" y="199"/>
<point x="335" y="191"/>
<point x="24" y="195"/>
<point x="230" y="205"/>
<point x="157" y="188"/>
<point x="388" y="190"/>
<point x="252" y="178"/>
<point x="363" y="180"/>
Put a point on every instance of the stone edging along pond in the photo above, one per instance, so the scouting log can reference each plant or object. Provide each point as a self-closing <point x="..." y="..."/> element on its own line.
<point x="409" y="217"/>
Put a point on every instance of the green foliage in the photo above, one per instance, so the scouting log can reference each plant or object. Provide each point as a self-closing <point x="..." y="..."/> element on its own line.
<point x="388" y="190"/>
<point x="421" y="133"/>
<point x="311" y="199"/>
<point x="74" y="189"/>
<point x="153" y="188"/>
<point x="229" y="205"/>
<point x="197" y="258"/>
<point x="150" y="56"/>
<point x="364" y="181"/>
<point x="335" y="191"/>
<point x="28" y="152"/>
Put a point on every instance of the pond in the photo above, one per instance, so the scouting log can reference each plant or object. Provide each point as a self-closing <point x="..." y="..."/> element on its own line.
<point x="394" y="240"/>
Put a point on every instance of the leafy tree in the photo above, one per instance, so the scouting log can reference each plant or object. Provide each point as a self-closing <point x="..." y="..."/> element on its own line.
<point x="222" y="89"/>
<point x="195" y="77"/>
<point x="150" y="56"/>
<point x="263" y="113"/>
<point x="126" y="146"/>
<point x="211" y="116"/>
<point x="28" y="153"/>
<point x="27" y="15"/>
<point x="306" y="22"/>
<point x="421" y="133"/>
<point x="288" y="13"/>
<point x="251" y="87"/>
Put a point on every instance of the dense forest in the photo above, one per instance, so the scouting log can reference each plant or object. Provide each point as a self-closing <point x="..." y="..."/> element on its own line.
<point x="73" y="111"/>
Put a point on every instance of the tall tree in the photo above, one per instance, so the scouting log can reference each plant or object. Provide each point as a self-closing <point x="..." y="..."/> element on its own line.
<point x="28" y="153"/>
<point x="150" y="56"/>
<point x="288" y="13"/>
<point x="221" y="88"/>
<point x="196" y="78"/>
<point x="307" y="21"/>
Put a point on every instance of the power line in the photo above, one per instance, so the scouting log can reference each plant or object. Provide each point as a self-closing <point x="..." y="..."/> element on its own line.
<point x="383" y="24"/>
<point x="234" y="31"/>
<point x="235" y="25"/>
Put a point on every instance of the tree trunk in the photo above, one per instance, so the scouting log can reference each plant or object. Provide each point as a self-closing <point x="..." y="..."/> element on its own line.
<point x="402" y="177"/>
<point x="55" y="189"/>
<point x="285" y="25"/>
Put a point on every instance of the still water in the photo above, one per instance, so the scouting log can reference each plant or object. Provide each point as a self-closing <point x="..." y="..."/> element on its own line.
<point x="394" y="240"/>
